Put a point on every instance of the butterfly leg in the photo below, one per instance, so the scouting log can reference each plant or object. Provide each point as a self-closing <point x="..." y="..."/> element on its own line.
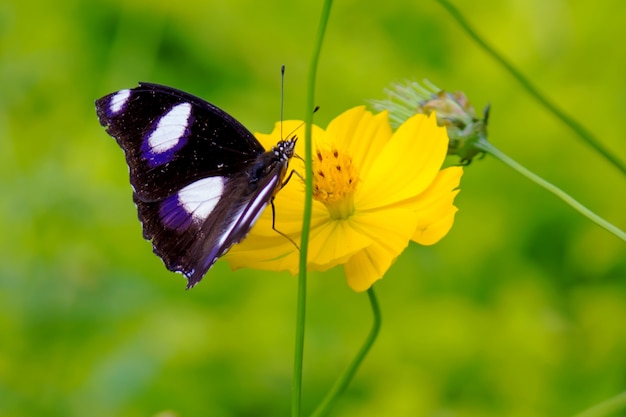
<point x="274" y="223"/>
<point x="293" y="171"/>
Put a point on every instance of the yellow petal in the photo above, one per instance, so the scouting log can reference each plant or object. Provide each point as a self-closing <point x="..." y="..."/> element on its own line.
<point x="430" y="233"/>
<point x="390" y="231"/>
<point x="274" y="254"/>
<point x="436" y="210"/>
<point x="335" y="241"/>
<point x="359" y="133"/>
<point x="406" y="165"/>
<point x="368" y="266"/>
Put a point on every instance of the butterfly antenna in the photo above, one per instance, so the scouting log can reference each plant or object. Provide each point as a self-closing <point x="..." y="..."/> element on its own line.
<point x="292" y="134"/>
<point x="282" y="98"/>
<point x="301" y="124"/>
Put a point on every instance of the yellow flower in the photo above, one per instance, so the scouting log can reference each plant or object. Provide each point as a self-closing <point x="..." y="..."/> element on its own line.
<point x="374" y="190"/>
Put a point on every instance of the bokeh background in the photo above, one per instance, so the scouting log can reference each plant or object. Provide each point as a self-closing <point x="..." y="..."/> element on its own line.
<point x="519" y="311"/>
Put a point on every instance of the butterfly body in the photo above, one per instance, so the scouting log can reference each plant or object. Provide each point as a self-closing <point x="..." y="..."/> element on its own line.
<point x="200" y="179"/>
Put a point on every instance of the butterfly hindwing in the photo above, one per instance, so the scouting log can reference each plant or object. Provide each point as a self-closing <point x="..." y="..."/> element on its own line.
<point x="200" y="179"/>
<point x="191" y="229"/>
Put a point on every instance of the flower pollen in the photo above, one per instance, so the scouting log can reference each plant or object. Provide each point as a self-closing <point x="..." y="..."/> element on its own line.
<point x="334" y="182"/>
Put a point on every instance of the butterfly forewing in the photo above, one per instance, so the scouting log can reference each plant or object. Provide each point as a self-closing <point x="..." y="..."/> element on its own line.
<point x="200" y="179"/>
<point x="172" y="138"/>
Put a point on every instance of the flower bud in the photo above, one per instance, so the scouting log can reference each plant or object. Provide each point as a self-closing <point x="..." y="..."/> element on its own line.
<point x="453" y="111"/>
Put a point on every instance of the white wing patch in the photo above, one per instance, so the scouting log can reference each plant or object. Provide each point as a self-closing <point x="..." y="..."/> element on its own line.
<point x="200" y="198"/>
<point x="170" y="128"/>
<point x="118" y="100"/>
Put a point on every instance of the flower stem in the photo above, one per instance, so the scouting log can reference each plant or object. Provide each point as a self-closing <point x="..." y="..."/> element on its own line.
<point x="606" y="408"/>
<point x="486" y="146"/>
<point x="296" y="394"/>
<point x="344" y="380"/>
<point x="583" y="133"/>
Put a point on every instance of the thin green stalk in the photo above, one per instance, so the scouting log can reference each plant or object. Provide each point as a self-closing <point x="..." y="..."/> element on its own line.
<point x="583" y="133"/>
<point x="486" y="146"/>
<point x="296" y="394"/>
<point x="606" y="408"/>
<point x="344" y="380"/>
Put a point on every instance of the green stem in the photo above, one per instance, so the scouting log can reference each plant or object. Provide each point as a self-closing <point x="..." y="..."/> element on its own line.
<point x="583" y="133"/>
<point x="606" y="408"/>
<point x="344" y="380"/>
<point x="296" y="394"/>
<point x="486" y="146"/>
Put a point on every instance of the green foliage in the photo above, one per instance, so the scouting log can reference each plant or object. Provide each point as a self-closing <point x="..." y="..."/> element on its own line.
<point x="517" y="312"/>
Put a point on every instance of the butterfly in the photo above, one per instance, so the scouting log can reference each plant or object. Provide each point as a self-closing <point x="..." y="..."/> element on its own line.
<point x="200" y="179"/>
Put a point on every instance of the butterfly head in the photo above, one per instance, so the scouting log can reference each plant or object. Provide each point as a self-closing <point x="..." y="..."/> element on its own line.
<point x="284" y="149"/>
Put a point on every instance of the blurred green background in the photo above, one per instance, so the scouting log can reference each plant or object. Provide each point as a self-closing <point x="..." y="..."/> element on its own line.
<point x="519" y="311"/>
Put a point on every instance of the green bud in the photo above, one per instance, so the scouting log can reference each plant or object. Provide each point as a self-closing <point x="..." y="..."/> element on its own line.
<point x="453" y="111"/>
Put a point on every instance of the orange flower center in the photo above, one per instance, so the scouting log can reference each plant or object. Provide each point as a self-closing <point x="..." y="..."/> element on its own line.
<point x="334" y="182"/>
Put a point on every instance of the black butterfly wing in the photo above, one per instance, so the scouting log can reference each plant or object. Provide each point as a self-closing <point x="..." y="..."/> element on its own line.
<point x="172" y="138"/>
<point x="200" y="178"/>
